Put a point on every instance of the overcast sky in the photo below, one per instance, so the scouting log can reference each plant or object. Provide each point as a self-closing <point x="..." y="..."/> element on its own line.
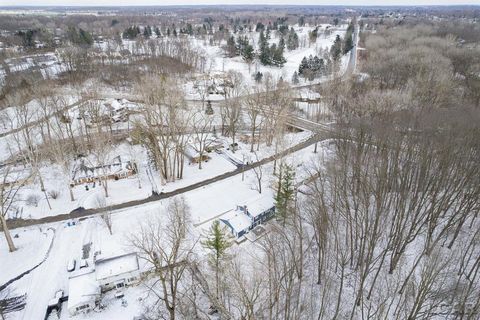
<point x="210" y="2"/>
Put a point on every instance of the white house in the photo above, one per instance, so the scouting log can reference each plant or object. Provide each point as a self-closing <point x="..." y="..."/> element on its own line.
<point x="244" y="218"/>
<point x="84" y="292"/>
<point x="117" y="271"/>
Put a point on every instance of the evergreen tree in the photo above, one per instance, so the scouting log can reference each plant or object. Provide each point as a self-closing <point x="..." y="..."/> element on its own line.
<point x="231" y="48"/>
<point x="348" y="40"/>
<point x="157" y="32"/>
<point x="292" y="40"/>
<point x="303" y="66"/>
<point x="285" y="193"/>
<point x="301" y="21"/>
<point x="131" y="32"/>
<point x="295" y="79"/>
<point x="217" y="242"/>
<point x="336" y="49"/>
<point x="277" y="58"/>
<point x="147" y="32"/>
<point x="248" y="53"/>
<point x="258" y="76"/>
<point x="264" y="55"/>
<point x="312" y="35"/>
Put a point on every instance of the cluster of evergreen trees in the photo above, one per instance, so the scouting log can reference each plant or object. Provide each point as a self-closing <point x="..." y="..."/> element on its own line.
<point x="271" y="55"/>
<point x="131" y="32"/>
<point x="79" y="37"/>
<point x="28" y="37"/>
<point x="312" y="67"/>
<point x="240" y="47"/>
<point x="343" y="46"/>
<point x="348" y="40"/>
<point x="147" y="32"/>
<point x="292" y="40"/>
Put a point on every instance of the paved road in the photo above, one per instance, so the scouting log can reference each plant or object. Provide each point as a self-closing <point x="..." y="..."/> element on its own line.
<point x="81" y="213"/>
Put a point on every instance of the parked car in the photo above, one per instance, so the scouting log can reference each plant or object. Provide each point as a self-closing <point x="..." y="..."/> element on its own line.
<point x="59" y="294"/>
<point x="83" y="263"/>
<point x="71" y="265"/>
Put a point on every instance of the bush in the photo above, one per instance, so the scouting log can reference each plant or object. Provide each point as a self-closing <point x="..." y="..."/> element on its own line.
<point x="33" y="200"/>
<point x="54" y="194"/>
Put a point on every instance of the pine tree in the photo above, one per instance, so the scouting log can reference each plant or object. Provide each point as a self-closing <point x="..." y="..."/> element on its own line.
<point x="295" y="79"/>
<point x="285" y="193"/>
<point x="258" y="76"/>
<point x="264" y="55"/>
<point x="336" y="49"/>
<point x="231" y="48"/>
<point x="292" y="40"/>
<point x="217" y="242"/>
<point x="248" y="53"/>
<point x="303" y="66"/>
<point x="277" y="57"/>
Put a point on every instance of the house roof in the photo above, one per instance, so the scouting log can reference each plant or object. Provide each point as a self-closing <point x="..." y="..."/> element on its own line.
<point x="259" y="205"/>
<point x="237" y="220"/>
<point x="116" y="265"/>
<point x="83" y="289"/>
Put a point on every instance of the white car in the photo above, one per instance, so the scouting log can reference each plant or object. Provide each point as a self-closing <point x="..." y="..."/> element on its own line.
<point x="83" y="263"/>
<point x="71" y="265"/>
<point x="59" y="294"/>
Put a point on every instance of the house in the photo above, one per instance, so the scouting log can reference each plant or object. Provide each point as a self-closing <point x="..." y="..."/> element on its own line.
<point x="120" y="168"/>
<point x="117" y="271"/>
<point x="87" y="284"/>
<point x="84" y="292"/>
<point x="244" y="218"/>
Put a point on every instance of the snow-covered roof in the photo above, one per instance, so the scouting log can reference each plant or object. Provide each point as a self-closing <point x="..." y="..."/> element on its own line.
<point x="259" y="205"/>
<point x="237" y="220"/>
<point x="116" y="265"/>
<point x="82" y="290"/>
<point x="119" y="165"/>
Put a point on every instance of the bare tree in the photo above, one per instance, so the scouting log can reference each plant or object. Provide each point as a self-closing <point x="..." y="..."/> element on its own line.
<point x="167" y="246"/>
<point x="11" y="184"/>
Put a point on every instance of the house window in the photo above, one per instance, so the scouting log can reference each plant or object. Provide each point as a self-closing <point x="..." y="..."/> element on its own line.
<point x="132" y="279"/>
<point x="120" y="285"/>
<point x="85" y="306"/>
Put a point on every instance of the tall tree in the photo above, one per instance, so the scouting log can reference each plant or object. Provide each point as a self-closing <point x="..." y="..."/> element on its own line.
<point x="217" y="242"/>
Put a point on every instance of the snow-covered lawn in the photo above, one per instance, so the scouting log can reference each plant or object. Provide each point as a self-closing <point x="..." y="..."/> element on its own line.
<point x="32" y="245"/>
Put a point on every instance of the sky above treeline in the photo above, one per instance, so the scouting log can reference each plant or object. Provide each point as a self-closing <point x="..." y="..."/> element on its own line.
<point x="231" y="2"/>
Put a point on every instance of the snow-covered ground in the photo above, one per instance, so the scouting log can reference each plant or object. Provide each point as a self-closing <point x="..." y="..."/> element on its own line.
<point x="218" y="63"/>
<point x="206" y="204"/>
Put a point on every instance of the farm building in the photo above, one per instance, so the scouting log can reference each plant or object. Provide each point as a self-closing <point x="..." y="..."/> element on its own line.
<point x="244" y="218"/>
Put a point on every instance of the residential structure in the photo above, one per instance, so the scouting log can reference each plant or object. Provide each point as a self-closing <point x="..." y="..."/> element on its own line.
<point x="117" y="271"/>
<point x="244" y="218"/>
<point x="107" y="273"/>
<point x="84" y="292"/>
<point x="120" y="168"/>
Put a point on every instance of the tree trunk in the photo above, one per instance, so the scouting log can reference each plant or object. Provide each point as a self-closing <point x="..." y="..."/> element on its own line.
<point x="11" y="245"/>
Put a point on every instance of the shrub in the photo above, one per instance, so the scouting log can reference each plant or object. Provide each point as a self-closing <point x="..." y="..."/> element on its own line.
<point x="33" y="200"/>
